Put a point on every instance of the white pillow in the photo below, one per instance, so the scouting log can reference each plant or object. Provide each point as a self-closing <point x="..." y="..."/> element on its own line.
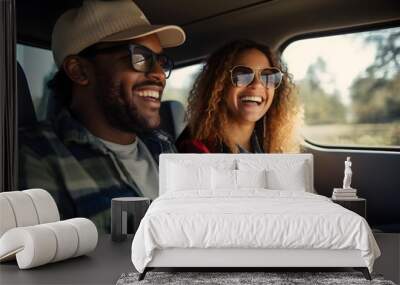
<point x="293" y="178"/>
<point x="183" y="178"/>
<point x="251" y="178"/>
<point x="224" y="179"/>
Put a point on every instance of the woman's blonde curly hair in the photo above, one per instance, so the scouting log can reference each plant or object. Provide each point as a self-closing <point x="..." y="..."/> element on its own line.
<point x="207" y="113"/>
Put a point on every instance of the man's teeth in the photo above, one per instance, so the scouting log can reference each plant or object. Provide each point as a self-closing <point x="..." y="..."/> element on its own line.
<point x="256" y="99"/>
<point x="148" y="93"/>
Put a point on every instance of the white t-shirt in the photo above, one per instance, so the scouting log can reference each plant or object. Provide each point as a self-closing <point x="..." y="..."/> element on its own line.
<point x="140" y="164"/>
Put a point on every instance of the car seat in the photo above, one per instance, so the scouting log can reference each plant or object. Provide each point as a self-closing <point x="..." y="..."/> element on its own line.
<point x="172" y="116"/>
<point x="26" y="111"/>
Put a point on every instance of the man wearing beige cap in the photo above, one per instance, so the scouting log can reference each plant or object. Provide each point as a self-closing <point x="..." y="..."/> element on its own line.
<point x="103" y="142"/>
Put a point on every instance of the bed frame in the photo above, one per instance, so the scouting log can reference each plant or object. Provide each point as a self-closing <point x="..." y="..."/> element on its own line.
<point x="242" y="259"/>
<point x="246" y="258"/>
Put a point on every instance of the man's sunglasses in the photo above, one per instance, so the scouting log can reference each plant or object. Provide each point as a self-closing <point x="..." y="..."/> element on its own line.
<point x="243" y="76"/>
<point x="142" y="59"/>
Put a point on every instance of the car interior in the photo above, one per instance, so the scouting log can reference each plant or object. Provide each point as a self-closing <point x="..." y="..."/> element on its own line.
<point x="275" y="23"/>
<point x="278" y="24"/>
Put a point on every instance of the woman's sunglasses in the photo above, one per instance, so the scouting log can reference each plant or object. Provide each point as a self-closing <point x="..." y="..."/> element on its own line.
<point x="142" y="58"/>
<point x="243" y="76"/>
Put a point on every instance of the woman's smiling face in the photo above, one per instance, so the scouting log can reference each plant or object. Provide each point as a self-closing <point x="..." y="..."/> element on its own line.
<point x="248" y="104"/>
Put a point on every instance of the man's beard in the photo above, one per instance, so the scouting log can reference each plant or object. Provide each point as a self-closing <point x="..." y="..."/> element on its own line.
<point x="120" y="114"/>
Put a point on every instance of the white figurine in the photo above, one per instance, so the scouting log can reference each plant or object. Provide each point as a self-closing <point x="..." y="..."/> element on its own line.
<point x="347" y="174"/>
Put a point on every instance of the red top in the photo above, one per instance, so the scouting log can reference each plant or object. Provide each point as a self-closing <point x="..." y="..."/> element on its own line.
<point x="193" y="146"/>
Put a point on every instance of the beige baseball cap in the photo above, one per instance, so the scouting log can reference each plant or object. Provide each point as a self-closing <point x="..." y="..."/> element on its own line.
<point x="106" y="21"/>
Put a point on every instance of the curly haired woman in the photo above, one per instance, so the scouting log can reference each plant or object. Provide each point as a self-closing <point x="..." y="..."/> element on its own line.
<point x="242" y="101"/>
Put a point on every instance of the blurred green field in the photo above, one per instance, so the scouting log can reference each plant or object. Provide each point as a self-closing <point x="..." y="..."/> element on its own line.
<point x="372" y="135"/>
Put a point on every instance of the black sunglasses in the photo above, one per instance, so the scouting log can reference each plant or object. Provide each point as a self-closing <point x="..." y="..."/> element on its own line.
<point x="142" y="58"/>
<point x="243" y="76"/>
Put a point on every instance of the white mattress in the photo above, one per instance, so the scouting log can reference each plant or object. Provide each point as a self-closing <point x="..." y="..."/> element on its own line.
<point x="252" y="218"/>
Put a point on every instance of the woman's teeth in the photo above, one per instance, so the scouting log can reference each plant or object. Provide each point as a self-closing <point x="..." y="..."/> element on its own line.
<point x="148" y="93"/>
<point x="251" y="99"/>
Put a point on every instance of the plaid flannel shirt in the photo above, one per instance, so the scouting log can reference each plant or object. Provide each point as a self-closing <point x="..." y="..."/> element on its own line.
<point x="76" y="168"/>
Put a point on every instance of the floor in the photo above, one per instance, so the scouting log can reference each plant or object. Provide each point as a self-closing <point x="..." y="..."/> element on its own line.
<point x="389" y="262"/>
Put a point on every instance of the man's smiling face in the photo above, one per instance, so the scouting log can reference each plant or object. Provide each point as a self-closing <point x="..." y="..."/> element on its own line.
<point x="130" y="100"/>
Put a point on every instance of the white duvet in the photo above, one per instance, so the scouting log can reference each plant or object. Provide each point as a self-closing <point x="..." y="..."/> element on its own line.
<point x="253" y="218"/>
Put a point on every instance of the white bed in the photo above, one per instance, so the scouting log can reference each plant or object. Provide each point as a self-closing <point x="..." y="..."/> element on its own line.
<point x="227" y="210"/>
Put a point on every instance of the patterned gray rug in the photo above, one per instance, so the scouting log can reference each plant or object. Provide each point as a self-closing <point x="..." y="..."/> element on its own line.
<point x="243" y="278"/>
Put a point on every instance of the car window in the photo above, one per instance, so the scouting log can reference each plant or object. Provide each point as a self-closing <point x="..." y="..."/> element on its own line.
<point x="180" y="83"/>
<point x="39" y="67"/>
<point x="348" y="85"/>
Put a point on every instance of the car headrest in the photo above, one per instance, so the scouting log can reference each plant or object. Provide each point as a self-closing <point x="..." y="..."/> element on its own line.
<point x="172" y="115"/>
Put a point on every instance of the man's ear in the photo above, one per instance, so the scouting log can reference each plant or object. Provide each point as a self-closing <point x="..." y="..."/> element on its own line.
<point x="77" y="70"/>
